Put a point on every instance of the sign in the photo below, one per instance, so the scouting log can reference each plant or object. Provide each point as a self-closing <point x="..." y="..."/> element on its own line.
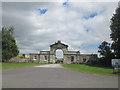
<point x="116" y="63"/>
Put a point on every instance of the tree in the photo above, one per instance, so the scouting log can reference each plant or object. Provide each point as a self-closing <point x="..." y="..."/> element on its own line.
<point x="0" y="46"/>
<point x="93" y="60"/>
<point x="115" y="32"/>
<point x="105" y="53"/>
<point x="9" y="47"/>
<point x="23" y="55"/>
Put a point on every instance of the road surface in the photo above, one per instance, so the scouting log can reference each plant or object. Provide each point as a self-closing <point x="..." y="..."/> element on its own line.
<point x="54" y="76"/>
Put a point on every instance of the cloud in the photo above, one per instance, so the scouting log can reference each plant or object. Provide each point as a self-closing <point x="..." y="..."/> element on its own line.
<point x="35" y="32"/>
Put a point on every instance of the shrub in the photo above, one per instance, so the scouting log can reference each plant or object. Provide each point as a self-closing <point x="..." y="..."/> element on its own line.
<point x="20" y="56"/>
<point x="59" y="61"/>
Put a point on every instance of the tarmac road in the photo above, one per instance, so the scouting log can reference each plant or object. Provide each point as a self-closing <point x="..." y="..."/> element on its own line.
<point x="54" y="76"/>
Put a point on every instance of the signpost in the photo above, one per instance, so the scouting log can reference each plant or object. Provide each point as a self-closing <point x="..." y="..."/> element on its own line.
<point x="116" y="64"/>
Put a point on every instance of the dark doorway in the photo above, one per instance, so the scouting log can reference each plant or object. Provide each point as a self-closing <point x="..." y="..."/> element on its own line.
<point x="72" y="59"/>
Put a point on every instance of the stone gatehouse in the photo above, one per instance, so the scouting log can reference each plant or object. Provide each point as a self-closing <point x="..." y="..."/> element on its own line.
<point x="69" y="57"/>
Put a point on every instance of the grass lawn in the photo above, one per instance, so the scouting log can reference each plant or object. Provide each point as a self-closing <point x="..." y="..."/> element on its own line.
<point x="17" y="65"/>
<point x="91" y="69"/>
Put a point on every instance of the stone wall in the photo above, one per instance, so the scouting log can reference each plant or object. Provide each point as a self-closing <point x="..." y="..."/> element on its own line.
<point x="19" y="60"/>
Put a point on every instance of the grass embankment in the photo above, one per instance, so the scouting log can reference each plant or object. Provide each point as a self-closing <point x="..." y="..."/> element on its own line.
<point x="17" y="65"/>
<point x="91" y="69"/>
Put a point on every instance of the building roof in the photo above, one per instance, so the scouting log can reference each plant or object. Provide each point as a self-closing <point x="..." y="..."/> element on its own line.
<point x="58" y="43"/>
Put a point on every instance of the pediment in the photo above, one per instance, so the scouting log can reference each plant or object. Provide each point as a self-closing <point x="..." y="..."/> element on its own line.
<point x="58" y="45"/>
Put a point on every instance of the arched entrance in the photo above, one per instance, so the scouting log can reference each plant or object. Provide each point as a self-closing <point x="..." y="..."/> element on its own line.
<point x="51" y="56"/>
<point x="59" y="56"/>
<point x="54" y="48"/>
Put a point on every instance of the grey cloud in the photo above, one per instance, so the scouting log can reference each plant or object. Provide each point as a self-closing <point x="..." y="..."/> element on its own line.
<point x="35" y="32"/>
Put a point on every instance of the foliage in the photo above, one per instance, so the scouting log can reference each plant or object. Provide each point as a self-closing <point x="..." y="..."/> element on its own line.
<point x="0" y="46"/>
<point x="105" y="53"/>
<point x="90" y="69"/>
<point x="59" y="61"/>
<point x="115" y="32"/>
<point x="9" y="47"/>
<point x="21" y="56"/>
<point x="93" y="60"/>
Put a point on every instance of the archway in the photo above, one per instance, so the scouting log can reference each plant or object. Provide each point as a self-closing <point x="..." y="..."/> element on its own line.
<point x="59" y="56"/>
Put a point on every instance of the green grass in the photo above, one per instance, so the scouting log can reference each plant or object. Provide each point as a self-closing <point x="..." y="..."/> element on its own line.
<point x="91" y="69"/>
<point x="17" y="65"/>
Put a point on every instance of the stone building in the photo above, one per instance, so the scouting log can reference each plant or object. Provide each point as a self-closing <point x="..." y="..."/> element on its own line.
<point x="69" y="57"/>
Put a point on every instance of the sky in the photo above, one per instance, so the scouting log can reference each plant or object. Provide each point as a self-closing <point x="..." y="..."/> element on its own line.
<point x="81" y="25"/>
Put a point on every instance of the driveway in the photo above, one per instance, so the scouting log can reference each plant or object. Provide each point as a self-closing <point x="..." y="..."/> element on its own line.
<point x="54" y="76"/>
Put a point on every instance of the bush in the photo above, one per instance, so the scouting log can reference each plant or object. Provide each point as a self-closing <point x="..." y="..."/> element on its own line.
<point x="20" y="56"/>
<point x="59" y="61"/>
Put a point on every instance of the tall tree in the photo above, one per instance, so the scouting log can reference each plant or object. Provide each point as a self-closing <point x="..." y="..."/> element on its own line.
<point x="9" y="47"/>
<point x="115" y="32"/>
<point x="105" y="53"/>
<point x="0" y="46"/>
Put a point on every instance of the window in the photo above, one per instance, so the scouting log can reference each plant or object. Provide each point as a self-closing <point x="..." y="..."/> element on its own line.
<point x="45" y="57"/>
<point x="35" y="58"/>
<point x="84" y="58"/>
